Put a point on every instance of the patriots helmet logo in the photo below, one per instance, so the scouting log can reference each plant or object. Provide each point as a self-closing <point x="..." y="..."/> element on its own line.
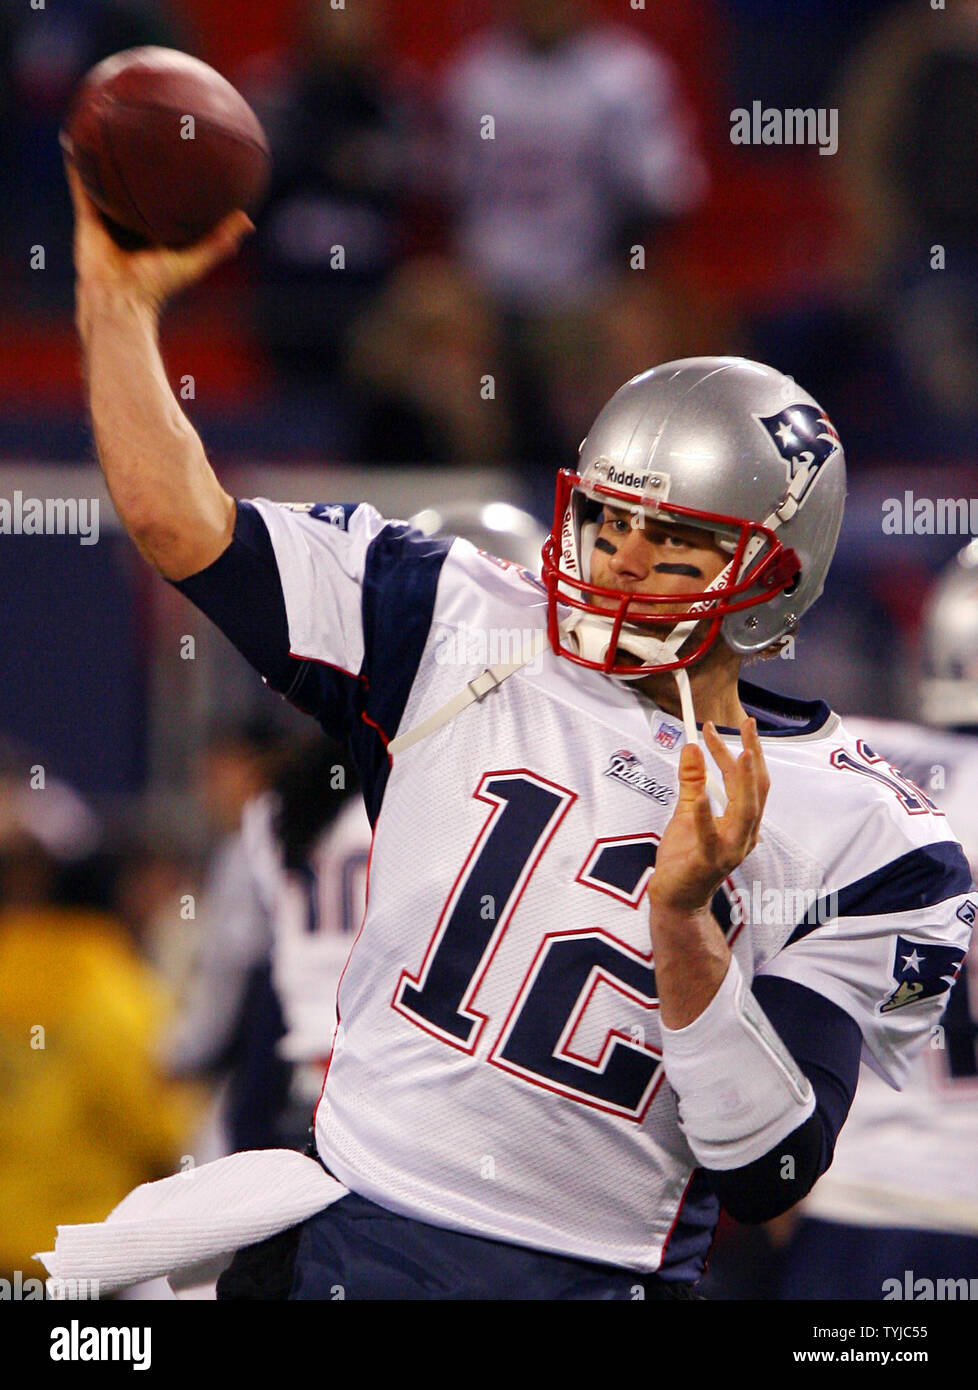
<point x="804" y="438"/>
<point x="920" y="971"/>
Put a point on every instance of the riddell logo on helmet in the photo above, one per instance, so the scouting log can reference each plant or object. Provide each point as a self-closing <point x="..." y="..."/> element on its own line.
<point x="620" y="478"/>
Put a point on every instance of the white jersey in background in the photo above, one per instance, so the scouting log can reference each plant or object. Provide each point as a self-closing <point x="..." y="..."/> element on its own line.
<point x="496" y="1068"/>
<point x="313" y="919"/>
<point x="585" y="131"/>
<point x="910" y="1158"/>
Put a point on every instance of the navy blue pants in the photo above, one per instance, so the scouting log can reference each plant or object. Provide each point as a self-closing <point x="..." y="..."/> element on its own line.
<point x="828" y="1260"/>
<point x="358" y="1250"/>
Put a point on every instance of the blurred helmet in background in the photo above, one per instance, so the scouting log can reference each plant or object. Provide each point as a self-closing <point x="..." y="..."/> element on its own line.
<point x="497" y="527"/>
<point x="949" y="688"/>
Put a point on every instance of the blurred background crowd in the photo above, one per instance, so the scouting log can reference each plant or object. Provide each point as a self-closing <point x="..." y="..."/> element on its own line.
<point x="466" y="255"/>
<point x="430" y="303"/>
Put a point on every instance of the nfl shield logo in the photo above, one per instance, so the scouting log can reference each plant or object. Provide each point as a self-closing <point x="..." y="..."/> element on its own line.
<point x="667" y="735"/>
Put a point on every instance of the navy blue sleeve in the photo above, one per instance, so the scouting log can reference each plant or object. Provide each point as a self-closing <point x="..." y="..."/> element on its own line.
<point x="826" y="1043"/>
<point x="241" y="593"/>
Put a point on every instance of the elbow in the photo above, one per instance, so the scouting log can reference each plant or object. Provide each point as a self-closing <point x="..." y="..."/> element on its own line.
<point x="776" y="1181"/>
<point x="180" y="547"/>
<point x="169" y="548"/>
<point x="754" y="1208"/>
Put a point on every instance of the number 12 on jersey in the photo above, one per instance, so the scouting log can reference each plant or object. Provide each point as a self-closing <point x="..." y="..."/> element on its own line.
<point x="537" y="1038"/>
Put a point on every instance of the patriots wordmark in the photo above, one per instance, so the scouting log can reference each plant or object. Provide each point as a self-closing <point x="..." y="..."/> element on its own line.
<point x="766" y="125"/>
<point x="626" y="768"/>
<point x="930" y="516"/>
<point x="50" y="516"/>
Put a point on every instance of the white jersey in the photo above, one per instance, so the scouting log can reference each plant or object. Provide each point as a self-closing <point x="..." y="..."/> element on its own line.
<point x="582" y="131"/>
<point x="313" y="919"/>
<point x="910" y="1158"/>
<point x="497" y="1066"/>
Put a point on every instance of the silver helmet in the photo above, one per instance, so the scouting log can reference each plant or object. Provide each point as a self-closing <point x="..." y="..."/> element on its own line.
<point x="720" y="443"/>
<point x="949" y="689"/>
<point x="498" y="528"/>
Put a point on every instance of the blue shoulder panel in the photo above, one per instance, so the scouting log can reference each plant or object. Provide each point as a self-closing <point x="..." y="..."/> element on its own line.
<point x="242" y="593"/>
<point x="400" y="583"/>
<point x="920" y="878"/>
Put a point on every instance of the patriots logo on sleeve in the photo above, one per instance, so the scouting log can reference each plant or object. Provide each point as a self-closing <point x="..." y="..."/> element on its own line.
<point x="334" y="513"/>
<point x="921" y="971"/>
<point x="804" y="438"/>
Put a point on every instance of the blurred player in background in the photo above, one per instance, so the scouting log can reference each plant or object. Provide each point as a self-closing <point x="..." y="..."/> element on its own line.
<point x="539" y="220"/>
<point x="307" y="842"/>
<point x="342" y="131"/>
<point x="902" y="1192"/>
<point x="230" y="1019"/>
<point x="593" y="149"/>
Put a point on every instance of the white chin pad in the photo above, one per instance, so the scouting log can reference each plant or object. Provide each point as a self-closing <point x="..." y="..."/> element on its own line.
<point x="739" y="1089"/>
<point x="593" y="635"/>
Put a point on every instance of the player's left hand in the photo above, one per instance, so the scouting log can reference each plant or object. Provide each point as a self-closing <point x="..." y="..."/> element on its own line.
<point x="698" y="850"/>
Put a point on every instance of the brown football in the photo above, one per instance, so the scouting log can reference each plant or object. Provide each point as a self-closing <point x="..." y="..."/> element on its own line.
<point x="165" y="146"/>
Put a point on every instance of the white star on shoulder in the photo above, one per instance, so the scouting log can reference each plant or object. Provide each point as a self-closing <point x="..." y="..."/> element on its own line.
<point x="912" y="962"/>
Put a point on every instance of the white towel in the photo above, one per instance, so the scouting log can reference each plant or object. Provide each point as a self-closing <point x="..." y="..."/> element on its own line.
<point x="177" y="1222"/>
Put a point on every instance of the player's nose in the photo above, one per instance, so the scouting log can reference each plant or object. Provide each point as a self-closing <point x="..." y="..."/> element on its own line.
<point x="634" y="555"/>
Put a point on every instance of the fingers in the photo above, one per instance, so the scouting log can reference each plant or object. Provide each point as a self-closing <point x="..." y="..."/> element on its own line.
<point x="222" y="242"/>
<point x="692" y="772"/>
<point x="217" y="246"/>
<point x="751" y="740"/>
<point x="693" y="798"/>
<point x="752" y="758"/>
<point x="79" y="198"/>
<point x="747" y="784"/>
<point x="86" y="213"/>
<point x="720" y="753"/>
<point x="697" y="850"/>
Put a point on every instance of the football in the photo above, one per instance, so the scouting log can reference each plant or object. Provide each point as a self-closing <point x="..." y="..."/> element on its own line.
<point x="165" y="146"/>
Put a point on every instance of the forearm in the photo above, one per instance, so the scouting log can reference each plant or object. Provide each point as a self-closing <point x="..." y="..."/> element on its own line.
<point x="164" y="490"/>
<point x="691" y="959"/>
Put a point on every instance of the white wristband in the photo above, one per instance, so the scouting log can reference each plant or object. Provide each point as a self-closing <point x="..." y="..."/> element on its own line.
<point x="739" y="1089"/>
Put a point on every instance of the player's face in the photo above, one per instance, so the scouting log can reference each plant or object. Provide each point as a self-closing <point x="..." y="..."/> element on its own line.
<point x="659" y="558"/>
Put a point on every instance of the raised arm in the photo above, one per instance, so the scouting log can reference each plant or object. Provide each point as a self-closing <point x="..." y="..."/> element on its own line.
<point x="164" y="490"/>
